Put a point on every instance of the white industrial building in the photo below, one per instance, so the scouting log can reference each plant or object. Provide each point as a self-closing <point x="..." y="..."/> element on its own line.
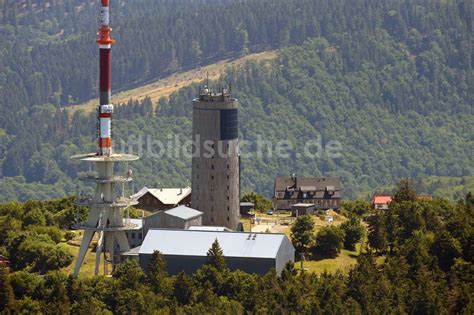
<point x="186" y="250"/>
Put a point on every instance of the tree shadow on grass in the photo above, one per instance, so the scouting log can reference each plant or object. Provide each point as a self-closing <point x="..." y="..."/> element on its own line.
<point x="317" y="256"/>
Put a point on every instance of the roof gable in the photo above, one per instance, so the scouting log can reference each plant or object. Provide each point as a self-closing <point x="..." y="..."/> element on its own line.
<point x="307" y="183"/>
<point x="167" y="196"/>
<point x="381" y="199"/>
<point x="183" y="212"/>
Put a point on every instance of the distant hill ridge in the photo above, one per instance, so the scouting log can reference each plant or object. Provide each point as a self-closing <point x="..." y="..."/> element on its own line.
<point x="390" y="80"/>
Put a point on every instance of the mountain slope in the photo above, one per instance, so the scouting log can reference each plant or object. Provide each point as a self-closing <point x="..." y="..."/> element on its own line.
<point x="390" y="80"/>
<point x="170" y="84"/>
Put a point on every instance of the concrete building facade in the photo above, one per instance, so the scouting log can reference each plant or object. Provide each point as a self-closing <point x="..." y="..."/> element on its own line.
<point x="215" y="163"/>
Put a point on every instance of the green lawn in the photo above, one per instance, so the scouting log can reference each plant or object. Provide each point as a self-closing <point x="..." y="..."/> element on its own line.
<point x="344" y="262"/>
<point x="87" y="269"/>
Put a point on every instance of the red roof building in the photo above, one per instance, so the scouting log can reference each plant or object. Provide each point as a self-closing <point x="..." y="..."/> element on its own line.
<point x="380" y="202"/>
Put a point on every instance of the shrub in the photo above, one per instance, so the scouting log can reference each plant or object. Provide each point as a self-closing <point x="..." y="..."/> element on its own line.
<point x="353" y="232"/>
<point x="69" y="235"/>
<point x="329" y="241"/>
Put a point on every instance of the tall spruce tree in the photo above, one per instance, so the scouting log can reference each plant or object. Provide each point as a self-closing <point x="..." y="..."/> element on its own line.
<point x="215" y="256"/>
<point x="157" y="271"/>
<point x="405" y="191"/>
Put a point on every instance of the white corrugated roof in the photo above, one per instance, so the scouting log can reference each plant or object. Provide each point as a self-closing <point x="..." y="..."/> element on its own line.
<point x="183" y="212"/>
<point x="208" y="228"/>
<point x="197" y="243"/>
<point x="168" y="196"/>
<point x="132" y="252"/>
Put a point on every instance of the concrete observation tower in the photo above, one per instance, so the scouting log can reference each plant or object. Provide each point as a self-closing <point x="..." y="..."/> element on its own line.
<point x="106" y="217"/>
<point x="215" y="163"/>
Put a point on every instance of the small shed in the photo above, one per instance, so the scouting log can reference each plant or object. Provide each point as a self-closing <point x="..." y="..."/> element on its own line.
<point x="186" y="250"/>
<point x="245" y="208"/>
<point x="181" y="217"/>
<point x="302" y="208"/>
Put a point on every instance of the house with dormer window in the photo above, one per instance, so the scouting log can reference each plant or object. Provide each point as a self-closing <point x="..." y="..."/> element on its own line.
<point x="323" y="192"/>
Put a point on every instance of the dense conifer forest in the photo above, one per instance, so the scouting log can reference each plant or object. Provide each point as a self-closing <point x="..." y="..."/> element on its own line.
<point x="391" y="80"/>
<point x="418" y="261"/>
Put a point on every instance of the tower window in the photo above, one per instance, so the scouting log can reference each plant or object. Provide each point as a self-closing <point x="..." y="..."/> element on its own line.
<point x="227" y="187"/>
<point x="228" y="208"/>
<point x="212" y="166"/>
<point x="227" y="166"/>
<point x="228" y="219"/>
<point x="227" y="197"/>
<point x="212" y="177"/>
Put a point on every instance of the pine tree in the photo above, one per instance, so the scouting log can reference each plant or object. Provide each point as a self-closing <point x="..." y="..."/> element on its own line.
<point x="377" y="233"/>
<point x="156" y="271"/>
<point x="405" y="191"/>
<point x="215" y="256"/>
<point x="183" y="289"/>
<point x="6" y="291"/>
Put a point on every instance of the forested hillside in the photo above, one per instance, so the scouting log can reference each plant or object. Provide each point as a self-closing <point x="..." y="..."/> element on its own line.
<point x="390" y="80"/>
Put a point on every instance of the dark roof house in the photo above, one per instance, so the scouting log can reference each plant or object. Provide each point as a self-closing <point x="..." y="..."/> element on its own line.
<point x="323" y="192"/>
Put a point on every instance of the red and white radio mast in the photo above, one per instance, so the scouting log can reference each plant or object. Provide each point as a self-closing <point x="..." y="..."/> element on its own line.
<point x="106" y="108"/>
<point x="106" y="217"/>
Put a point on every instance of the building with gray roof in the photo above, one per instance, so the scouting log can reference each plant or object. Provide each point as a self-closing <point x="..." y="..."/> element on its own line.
<point x="181" y="217"/>
<point x="186" y="250"/>
<point x="209" y="228"/>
